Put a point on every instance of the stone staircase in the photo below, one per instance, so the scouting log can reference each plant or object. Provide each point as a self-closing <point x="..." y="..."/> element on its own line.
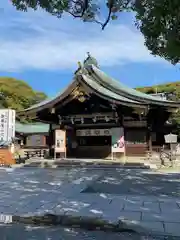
<point x="143" y="161"/>
<point x="6" y="157"/>
<point x="97" y="163"/>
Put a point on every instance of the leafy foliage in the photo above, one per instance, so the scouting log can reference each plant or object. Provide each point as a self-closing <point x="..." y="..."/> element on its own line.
<point x="173" y="87"/>
<point x="173" y="93"/>
<point x="158" y="20"/>
<point x="17" y="94"/>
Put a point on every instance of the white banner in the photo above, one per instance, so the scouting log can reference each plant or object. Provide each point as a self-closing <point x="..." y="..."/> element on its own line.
<point x="60" y="140"/>
<point x="118" y="144"/>
<point x="7" y="124"/>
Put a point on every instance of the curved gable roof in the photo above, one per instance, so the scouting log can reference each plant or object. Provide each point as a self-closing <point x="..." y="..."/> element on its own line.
<point x="104" y="86"/>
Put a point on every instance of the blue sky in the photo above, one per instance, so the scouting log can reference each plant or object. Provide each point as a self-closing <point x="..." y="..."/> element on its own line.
<point x="43" y="50"/>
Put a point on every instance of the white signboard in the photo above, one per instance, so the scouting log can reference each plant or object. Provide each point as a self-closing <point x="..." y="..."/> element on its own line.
<point x="93" y="132"/>
<point x="60" y="141"/>
<point x="118" y="144"/>
<point x="7" y="124"/>
<point x="171" y="138"/>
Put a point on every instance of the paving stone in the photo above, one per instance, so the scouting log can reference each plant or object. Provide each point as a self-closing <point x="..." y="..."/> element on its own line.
<point x="151" y="207"/>
<point x="166" y="217"/>
<point x="118" y="202"/>
<point x="85" y="212"/>
<point x="47" y="206"/>
<point x="111" y="216"/>
<point x="91" y="198"/>
<point x="115" y="205"/>
<point x="133" y="206"/>
<point x="20" y="231"/>
<point x="117" y="197"/>
<point x="172" y="228"/>
<point x="153" y="226"/>
<point x="32" y="207"/>
<point x="146" y="198"/>
<point x="169" y="207"/>
<point x="70" y="206"/>
<point x="132" y="216"/>
<point x="9" y="210"/>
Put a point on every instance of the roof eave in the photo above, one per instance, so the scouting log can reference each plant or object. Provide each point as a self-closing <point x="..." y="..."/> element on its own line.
<point x="51" y="102"/>
<point x="169" y="104"/>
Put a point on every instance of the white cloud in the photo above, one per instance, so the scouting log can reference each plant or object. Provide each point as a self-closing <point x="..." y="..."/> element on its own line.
<point x="36" y="40"/>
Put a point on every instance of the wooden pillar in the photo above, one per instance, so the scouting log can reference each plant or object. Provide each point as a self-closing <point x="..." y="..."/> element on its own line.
<point x="51" y="141"/>
<point x="72" y="147"/>
<point x="149" y="119"/>
<point x="149" y="138"/>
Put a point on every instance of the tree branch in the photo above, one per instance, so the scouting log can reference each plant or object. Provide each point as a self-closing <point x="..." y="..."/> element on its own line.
<point x="108" y="19"/>
<point x="85" y="6"/>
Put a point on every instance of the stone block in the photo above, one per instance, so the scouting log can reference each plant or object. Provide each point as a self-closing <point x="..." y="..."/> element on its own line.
<point x="85" y="212"/>
<point x="133" y="206"/>
<point x="134" y="200"/>
<point x="152" y="226"/>
<point x="151" y="207"/>
<point x="164" y="217"/>
<point x="131" y="216"/>
<point x="169" y="207"/>
<point x="172" y="228"/>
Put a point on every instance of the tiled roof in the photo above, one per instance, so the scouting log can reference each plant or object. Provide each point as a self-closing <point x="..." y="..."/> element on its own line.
<point x="107" y="87"/>
<point x="106" y="92"/>
<point x="123" y="90"/>
<point x="32" y="128"/>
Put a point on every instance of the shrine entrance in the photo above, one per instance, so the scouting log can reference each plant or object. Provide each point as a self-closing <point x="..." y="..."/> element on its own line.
<point x="93" y="143"/>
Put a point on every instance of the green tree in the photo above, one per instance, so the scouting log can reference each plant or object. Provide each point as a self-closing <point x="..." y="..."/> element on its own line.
<point x="17" y="94"/>
<point x="158" y="20"/>
<point x="173" y="89"/>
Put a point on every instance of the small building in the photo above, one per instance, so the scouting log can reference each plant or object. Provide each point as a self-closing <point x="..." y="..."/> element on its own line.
<point x="98" y="116"/>
<point x="163" y="95"/>
<point x="34" y="135"/>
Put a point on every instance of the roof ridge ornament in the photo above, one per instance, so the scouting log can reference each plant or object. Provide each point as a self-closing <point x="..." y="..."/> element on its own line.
<point x="79" y="65"/>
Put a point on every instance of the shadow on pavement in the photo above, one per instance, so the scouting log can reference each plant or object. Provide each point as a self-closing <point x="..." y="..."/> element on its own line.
<point x="137" y="183"/>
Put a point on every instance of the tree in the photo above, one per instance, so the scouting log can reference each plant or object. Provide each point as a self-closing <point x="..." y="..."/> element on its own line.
<point x="17" y="94"/>
<point x="158" y="20"/>
<point x="173" y="93"/>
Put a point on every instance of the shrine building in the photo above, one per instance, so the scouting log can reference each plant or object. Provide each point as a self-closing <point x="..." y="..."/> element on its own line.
<point x="98" y="116"/>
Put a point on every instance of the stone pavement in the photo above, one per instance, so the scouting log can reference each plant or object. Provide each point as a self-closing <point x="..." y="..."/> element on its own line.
<point x="144" y="201"/>
<point x="29" y="232"/>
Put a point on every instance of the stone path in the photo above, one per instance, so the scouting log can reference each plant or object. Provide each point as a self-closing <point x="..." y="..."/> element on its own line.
<point x="145" y="201"/>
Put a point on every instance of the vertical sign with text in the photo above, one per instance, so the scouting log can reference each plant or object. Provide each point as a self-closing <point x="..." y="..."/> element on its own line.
<point x="7" y="124"/>
<point x="60" y="141"/>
